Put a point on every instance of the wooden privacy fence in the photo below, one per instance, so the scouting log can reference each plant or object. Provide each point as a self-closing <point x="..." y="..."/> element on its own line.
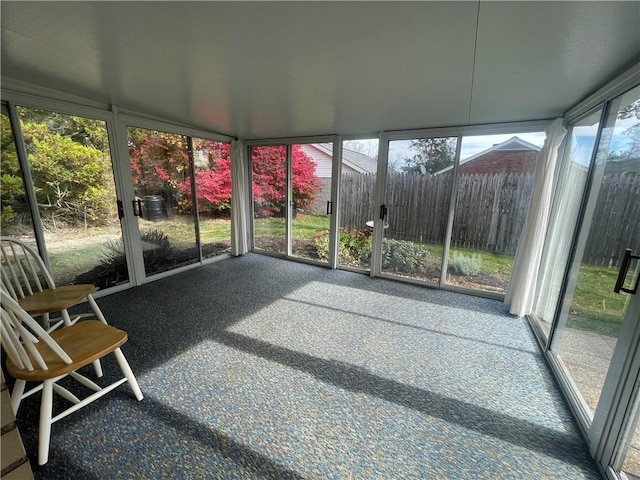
<point x="616" y="221"/>
<point x="357" y="197"/>
<point x="490" y="211"/>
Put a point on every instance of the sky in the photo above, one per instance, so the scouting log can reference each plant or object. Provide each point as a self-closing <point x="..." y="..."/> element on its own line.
<point x="400" y="149"/>
<point x="584" y="136"/>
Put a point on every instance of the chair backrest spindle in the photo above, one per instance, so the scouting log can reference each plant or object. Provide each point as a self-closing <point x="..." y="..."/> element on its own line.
<point x="11" y="269"/>
<point x="21" y="333"/>
<point x="7" y="284"/>
<point x="11" y="344"/>
<point x="23" y="271"/>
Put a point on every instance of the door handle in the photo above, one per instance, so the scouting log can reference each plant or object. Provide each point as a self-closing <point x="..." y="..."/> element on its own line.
<point x="383" y="211"/>
<point x="329" y="207"/>
<point x="120" y="209"/>
<point x="622" y="274"/>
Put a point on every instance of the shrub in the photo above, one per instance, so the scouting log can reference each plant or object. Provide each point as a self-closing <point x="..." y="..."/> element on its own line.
<point x="8" y="216"/>
<point x="357" y="245"/>
<point x="354" y="247"/>
<point x="157" y="252"/>
<point x="461" y="264"/>
<point x="404" y="256"/>
<point x="321" y="244"/>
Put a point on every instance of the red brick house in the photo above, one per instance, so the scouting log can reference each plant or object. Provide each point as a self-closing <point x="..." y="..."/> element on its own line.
<point x="511" y="156"/>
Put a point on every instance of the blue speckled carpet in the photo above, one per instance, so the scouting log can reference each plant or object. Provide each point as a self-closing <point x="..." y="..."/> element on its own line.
<point x="256" y="367"/>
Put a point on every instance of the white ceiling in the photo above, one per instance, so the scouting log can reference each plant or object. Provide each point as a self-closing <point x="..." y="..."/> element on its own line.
<point x="274" y="69"/>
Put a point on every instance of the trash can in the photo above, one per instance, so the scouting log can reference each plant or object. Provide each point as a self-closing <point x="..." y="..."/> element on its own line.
<point x="155" y="208"/>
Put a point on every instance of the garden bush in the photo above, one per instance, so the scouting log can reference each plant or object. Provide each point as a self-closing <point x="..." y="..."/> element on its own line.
<point x="404" y="256"/>
<point x="114" y="263"/>
<point x="354" y="247"/>
<point x="461" y="264"/>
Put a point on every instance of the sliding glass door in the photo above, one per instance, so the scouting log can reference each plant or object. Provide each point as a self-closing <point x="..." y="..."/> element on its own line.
<point x="292" y="199"/>
<point x="468" y="244"/>
<point x="494" y="186"/>
<point x="182" y="188"/>
<point x="358" y="208"/>
<point x="592" y="314"/>
<point x="418" y="189"/>
<point x="594" y="336"/>
<point x="73" y="185"/>
<point x="63" y="192"/>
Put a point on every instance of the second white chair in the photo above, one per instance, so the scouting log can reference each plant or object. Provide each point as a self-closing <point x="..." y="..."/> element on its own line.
<point x="33" y="355"/>
<point x="26" y="278"/>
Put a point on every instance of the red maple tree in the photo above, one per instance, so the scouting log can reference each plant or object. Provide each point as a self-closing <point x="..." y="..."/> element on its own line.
<point x="269" y="178"/>
<point x="160" y="166"/>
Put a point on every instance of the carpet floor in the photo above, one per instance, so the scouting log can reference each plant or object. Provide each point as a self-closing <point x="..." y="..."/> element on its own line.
<point x="255" y="367"/>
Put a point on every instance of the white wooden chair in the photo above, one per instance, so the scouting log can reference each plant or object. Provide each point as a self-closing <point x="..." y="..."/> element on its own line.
<point x="27" y="279"/>
<point x="33" y="355"/>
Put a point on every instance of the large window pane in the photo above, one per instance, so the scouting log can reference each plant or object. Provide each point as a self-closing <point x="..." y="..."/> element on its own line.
<point x="572" y="180"/>
<point x="16" y="216"/>
<point x="212" y="166"/>
<point x="70" y="164"/>
<point x="269" y="174"/>
<point x="495" y="181"/>
<point x="162" y="183"/>
<point x="359" y="165"/>
<point x="418" y="195"/>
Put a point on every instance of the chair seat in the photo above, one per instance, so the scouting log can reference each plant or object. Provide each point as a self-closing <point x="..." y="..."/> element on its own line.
<point x="55" y="300"/>
<point x="84" y="342"/>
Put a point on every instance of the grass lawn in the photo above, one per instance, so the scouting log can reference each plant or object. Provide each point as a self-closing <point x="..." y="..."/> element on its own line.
<point x="183" y="233"/>
<point x="491" y="263"/>
<point x="66" y="264"/>
<point x="594" y="306"/>
<point x="76" y="252"/>
<point x="304" y="226"/>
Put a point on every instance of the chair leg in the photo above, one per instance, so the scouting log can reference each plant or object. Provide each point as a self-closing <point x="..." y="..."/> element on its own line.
<point x="44" y="433"/>
<point x="16" y="395"/>
<point x="128" y="373"/>
<point x="66" y="317"/>
<point x="97" y="366"/>
<point x="96" y="309"/>
<point x="44" y="320"/>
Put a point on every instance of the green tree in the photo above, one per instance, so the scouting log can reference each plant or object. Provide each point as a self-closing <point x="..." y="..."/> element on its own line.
<point x="71" y="171"/>
<point x="433" y="155"/>
<point x="85" y="131"/>
<point x="630" y="145"/>
<point x="12" y="191"/>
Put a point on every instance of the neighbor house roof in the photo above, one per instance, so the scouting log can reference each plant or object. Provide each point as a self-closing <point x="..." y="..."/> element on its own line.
<point x="357" y="161"/>
<point x="511" y="156"/>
